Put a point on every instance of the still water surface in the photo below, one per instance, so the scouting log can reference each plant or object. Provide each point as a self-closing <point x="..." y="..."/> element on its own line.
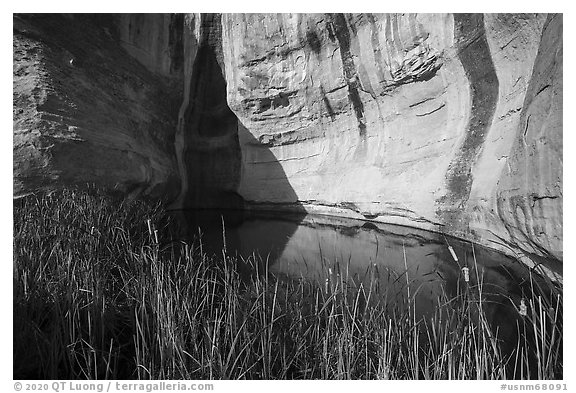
<point x="398" y="261"/>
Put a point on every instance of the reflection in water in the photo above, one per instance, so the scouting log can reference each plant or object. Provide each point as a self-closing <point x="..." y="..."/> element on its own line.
<point x="396" y="261"/>
<point x="404" y="269"/>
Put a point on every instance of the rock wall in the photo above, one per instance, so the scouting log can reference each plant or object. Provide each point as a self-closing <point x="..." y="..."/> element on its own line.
<point x="209" y="152"/>
<point x="87" y="112"/>
<point x="444" y="122"/>
<point x="413" y="119"/>
<point x="529" y="193"/>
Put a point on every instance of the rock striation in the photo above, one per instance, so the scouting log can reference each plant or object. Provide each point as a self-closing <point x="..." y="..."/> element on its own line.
<point x="86" y="111"/>
<point x="439" y="121"/>
<point x="415" y="119"/>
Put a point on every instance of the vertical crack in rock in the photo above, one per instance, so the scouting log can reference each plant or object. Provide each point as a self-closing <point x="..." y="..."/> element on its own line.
<point x="342" y="34"/>
<point x="208" y="129"/>
<point x="474" y="54"/>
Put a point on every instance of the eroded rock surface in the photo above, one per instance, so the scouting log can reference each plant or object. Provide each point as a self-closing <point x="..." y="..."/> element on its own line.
<point x="414" y="119"/>
<point x="85" y="111"/>
<point x="440" y="121"/>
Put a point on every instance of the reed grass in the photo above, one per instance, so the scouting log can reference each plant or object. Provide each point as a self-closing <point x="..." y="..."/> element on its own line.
<point x="102" y="290"/>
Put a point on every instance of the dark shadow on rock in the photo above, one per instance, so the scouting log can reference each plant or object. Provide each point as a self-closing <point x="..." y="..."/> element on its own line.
<point x="224" y="219"/>
<point x="220" y="154"/>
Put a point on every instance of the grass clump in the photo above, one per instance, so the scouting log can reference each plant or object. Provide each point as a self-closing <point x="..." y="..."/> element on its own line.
<point x="101" y="290"/>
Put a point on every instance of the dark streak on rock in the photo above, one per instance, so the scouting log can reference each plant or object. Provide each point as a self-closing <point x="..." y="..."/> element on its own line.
<point x="377" y="48"/>
<point x="364" y="81"/>
<point x="330" y="30"/>
<point x="474" y="54"/>
<point x="175" y="42"/>
<point x="340" y="28"/>
<point x="327" y="104"/>
<point x="536" y="198"/>
<point x="313" y="40"/>
<point x="543" y="88"/>
<point x="421" y="102"/>
<point x="432" y="111"/>
<point x="526" y="128"/>
<point x="352" y="24"/>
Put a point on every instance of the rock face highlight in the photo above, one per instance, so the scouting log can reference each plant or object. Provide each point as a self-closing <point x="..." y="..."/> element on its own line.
<point x="439" y="121"/>
<point x="412" y="119"/>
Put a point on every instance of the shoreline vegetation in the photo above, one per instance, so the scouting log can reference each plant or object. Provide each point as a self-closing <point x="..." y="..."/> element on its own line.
<point x="103" y="289"/>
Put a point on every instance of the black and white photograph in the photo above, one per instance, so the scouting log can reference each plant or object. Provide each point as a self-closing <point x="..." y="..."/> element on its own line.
<point x="287" y="196"/>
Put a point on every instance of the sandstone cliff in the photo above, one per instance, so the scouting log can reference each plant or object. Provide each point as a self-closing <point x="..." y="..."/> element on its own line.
<point x="85" y="111"/>
<point x="415" y="119"/>
<point x="445" y="122"/>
